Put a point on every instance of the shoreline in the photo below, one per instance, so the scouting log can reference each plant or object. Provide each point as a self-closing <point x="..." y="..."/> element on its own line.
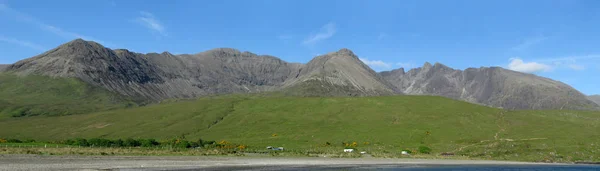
<point x="37" y="162"/>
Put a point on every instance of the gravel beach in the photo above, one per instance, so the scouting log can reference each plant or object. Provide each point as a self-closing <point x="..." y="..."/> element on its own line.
<point x="37" y="162"/>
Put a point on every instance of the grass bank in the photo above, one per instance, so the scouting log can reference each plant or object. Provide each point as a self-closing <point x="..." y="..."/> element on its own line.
<point x="382" y="126"/>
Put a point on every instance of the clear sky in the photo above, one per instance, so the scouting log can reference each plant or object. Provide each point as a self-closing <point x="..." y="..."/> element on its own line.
<point x="559" y="39"/>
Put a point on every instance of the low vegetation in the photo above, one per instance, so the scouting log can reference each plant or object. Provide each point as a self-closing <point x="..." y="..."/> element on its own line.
<point x="179" y="142"/>
<point x="318" y="126"/>
<point x="39" y="95"/>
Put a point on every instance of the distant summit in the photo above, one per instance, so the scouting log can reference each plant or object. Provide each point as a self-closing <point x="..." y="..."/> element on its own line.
<point x="338" y="73"/>
<point x="493" y="86"/>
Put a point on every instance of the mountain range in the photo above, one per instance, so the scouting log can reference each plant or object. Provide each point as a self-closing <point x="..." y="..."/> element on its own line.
<point x="156" y="77"/>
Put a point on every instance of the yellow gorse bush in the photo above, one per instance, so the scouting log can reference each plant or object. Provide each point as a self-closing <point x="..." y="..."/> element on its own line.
<point x="223" y="142"/>
<point x="242" y="147"/>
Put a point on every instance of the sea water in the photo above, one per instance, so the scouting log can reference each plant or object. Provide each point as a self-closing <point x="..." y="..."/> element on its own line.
<point x="472" y="168"/>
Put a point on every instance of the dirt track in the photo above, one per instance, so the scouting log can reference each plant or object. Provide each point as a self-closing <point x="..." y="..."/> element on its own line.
<point x="36" y="162"/>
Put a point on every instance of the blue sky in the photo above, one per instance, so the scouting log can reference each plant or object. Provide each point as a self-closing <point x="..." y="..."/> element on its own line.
<point x="559" y="39"/>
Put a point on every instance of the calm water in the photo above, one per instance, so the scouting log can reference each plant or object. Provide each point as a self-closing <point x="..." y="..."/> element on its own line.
<point x="422" y="168"/>
<point x="469" y="168"/>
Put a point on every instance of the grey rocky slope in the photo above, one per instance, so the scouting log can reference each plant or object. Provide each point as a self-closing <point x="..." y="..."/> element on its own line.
<point x="160" y="76"/>
<point x="492" y="86"/>
<point x="595" y="99"/>
<point x="338" y="73"/>
<point x="219" y="71"/>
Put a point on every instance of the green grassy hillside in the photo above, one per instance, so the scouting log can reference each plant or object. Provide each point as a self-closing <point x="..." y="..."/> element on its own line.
<point x="40" y="95"/>
<point x="381" y="125"/>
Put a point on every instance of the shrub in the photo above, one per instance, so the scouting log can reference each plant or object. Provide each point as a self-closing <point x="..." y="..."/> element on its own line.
<point x="130" y="142"/>
<point x="148" y="142"/>
<point x="209" y="144"/>
<point x="118" y="143"/>
<point x="81" y="142"/>
<point x="242" y="147"/>
<point x="100" y="142"/>
<point x="200" y="142"/>
<point x="14" y="141"/>
<point x="424" y="150"/>
<point x="183" y="144"/>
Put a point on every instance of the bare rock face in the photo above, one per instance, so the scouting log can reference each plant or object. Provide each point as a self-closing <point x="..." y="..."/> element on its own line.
<point x="493" y="86"/>
<point x="160" y="76"/>
<point x="2" y="67"/>
<point x="595" y="99"/>
<point x="339" y="73"/>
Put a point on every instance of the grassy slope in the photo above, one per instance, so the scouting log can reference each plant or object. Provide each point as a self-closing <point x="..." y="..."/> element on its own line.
<point x="40" y="95"/>
<point x="387" y="123"/>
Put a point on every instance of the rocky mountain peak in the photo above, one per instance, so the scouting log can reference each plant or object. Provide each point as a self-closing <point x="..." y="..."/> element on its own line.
<point x="81" y="44"/>
<point x="345" y="51"/>
<point x="427" y="65"/>
<point x="78" y="48"/>
<point x="165" y="53"/>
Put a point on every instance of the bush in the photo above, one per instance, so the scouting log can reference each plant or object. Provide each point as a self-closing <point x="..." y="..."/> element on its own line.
<point x="424" y="150"/>
<point x="183" y="144"/>
<point x="118" y="143"/>
<point x="200" y="143"/>
<point x="100" y="142"/>
<point x="80" y="142"/>
<point x="14" y="141"/>
<point x="209" y="144"/>
<point x="148" y="142"/>
<point x="130" y="142"/>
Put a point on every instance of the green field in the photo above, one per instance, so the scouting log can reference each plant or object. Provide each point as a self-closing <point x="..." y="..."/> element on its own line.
<point x="40" y="95"/>
<point x="383" y="126"/>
